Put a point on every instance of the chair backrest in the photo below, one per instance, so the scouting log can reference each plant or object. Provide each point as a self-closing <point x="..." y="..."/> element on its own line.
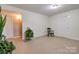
<point x="48" y="29"/>
<point x="52" y="31"/>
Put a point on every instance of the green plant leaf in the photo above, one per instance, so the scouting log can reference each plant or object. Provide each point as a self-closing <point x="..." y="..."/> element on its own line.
<point x="2" y="24"/>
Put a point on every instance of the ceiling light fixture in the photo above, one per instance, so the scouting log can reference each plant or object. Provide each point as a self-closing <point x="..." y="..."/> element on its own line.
<point x="54" y="6"/>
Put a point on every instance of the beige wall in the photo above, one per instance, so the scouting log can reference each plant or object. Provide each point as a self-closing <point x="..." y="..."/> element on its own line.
<point x="66" y="24"/>
<point x="37" y="22"/>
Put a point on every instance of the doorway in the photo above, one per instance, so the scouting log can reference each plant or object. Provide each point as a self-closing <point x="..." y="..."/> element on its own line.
<point x="17" y="26"/>
<point x="13" y="26"/>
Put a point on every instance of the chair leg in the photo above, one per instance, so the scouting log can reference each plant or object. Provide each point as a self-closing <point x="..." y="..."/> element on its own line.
<point x="52" y="34"/>
<point x="48" y="34"/>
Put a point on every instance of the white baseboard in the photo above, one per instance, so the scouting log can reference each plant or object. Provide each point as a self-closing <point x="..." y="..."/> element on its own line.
<point x="35" y="36"/>
<point x="14" y="37"/>
<point x="72" y="38"/>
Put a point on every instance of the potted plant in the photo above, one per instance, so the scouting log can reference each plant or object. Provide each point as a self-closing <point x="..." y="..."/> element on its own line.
<point x="28" y="34"/>
<point x="5" y="46"/>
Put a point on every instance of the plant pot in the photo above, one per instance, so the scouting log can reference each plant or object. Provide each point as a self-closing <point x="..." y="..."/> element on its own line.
<point x="27" y="39"/>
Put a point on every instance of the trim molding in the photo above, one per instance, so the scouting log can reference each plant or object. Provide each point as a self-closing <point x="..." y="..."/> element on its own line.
<point x="14" y="37"/>
<point x="66" y="37"/>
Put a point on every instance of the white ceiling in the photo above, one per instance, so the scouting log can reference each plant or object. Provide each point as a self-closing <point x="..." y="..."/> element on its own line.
<point x="44" y="8"/>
